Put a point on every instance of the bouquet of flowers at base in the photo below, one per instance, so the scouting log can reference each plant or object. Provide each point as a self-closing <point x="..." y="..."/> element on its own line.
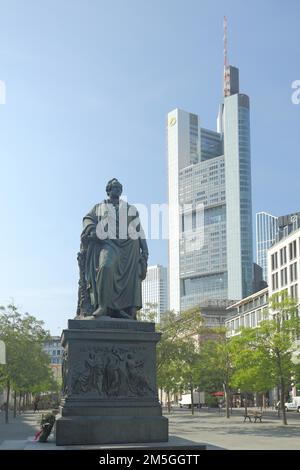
<point x="47" y="423"/>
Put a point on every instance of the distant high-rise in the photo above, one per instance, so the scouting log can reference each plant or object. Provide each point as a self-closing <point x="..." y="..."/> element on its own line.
<point x="155" y="291"/>
<point x="212" y="168"/>
<point x="269" y="230"/>
<point x="266" y="230"/>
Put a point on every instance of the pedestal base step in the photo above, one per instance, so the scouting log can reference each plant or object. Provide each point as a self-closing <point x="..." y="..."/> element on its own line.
<point x="88" y="430"/>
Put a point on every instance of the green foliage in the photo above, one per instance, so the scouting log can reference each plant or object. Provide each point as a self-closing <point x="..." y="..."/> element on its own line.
<point x="216" y="362"/>
<point x="263" y="356"/>
<point x="47" y="423"/>
<point x="217" y="365"/>
<point x="27" y="367"/>
<point x="177" y="352"/>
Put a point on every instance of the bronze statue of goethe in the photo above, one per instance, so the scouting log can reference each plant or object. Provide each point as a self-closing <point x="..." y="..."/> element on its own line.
<point x="113" y="258"/>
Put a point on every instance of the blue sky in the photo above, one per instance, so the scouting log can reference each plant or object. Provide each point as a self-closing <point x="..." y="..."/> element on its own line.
<point x="89" y="84"/>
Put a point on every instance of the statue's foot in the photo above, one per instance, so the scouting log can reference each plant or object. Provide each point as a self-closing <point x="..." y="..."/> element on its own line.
<point x="100" y="312"/>
<point x="131" y="311"/>
<point x="120" y="314"/>
<point x="124" y="315"/>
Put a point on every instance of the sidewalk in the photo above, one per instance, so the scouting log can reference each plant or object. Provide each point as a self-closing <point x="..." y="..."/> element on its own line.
<point x="233" y="433"/>
<point x="205" y="427"/>
<point x="19" y="429"/>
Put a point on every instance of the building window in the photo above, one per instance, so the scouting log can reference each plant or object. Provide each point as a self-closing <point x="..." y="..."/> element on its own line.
<point x="294" y="291"/>
<point x="275" y="281"/>
<point x="293" y="250"/>
<point x="283" y="277"/>
<point x="258" y="316"/>
<point x="274" y="260"/>
<point x="283" y="256"/>
<point x="293" y="272"/>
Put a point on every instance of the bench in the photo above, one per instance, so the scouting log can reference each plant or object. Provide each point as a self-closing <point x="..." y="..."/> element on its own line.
<point x="256" y="415"/>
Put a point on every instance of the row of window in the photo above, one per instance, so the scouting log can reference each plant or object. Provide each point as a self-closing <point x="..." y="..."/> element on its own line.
<point x="292" y="251"/>
<point x="249" y="320"/>
<point x="253" y="303"/>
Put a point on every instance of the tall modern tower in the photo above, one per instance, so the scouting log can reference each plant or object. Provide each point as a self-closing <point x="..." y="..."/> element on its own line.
<point x="212" y="169"/>
<point x="155" y="291"/>
<point x="266" y="230"/>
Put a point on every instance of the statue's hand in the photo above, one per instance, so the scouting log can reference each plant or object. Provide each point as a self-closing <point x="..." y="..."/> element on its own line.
<point x="93" y="235"/>
<point x="90" y="236"/>
<point x="143" y="266"/>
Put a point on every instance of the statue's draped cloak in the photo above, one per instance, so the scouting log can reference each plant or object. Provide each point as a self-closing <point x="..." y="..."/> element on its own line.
<point x="113" y="269"/>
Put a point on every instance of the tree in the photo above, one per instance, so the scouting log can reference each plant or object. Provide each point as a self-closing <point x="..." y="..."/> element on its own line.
<point x="252" y="372"/>
<point x="177" y="350"/>
<point x="272" y="344"/>
<point x="216" y="365"/>
<point x="27" y="367"/>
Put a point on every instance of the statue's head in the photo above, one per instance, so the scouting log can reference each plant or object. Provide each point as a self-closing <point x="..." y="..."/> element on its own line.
<point x="114" y="188"/>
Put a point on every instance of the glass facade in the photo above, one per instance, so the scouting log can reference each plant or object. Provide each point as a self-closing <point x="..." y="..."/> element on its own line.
<point x="155" y="291"/>
<point x="266" y="230"/>
<point x="238" y="196"/>
<point x="210" y="257"/>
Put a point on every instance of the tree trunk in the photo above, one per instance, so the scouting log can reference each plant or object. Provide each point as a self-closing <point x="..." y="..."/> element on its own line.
<point x="19" y="404"/>
<point x="7" y="400"/>
<point x="264" y="402"/>
<point x="227" y="400"/>
<point x="192" y="399"/>
<point x="246" y="403"/>
<point x="284" y="420"/>
<point x="282" y="389"/>
<point x="23" y="403"/>
<point x="169" y="402"/>
<point x="15" y="403"/>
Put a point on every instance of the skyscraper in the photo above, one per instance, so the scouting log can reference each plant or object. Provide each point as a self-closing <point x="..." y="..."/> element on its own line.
<point x="266" y="230"/>
<point x="212" y="168"/>
<point x="155" y="291"/>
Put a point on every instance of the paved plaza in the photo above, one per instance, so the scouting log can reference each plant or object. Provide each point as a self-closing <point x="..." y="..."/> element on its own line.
<point x="217" y="431"/>
<point x="205" y="427"/>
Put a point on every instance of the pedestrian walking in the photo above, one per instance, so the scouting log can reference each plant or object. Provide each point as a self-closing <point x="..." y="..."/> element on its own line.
<point x="36" y="404"/>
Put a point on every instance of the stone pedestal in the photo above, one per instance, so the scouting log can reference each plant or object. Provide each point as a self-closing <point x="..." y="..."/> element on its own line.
<point x="109" y="384"/>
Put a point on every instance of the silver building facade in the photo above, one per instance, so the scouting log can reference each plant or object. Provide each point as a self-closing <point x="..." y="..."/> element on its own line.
<point x="210" y="207"/>
<point x="266" y="230"/>
<point x="155" y="291"/>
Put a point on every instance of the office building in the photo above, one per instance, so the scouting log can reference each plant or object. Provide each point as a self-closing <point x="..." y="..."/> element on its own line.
<point x="210" y="208"/>
<point x="270" y="229"/>
<point x="248" y="312"/>
<point x="284" y="265"/>
<point x="155" y="291"/>
<point x="55" y="351"/>
<point x="266" y="230"/>
<point x="215" y="313"/>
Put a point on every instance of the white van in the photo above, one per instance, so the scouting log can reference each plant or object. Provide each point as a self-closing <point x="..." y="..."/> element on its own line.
<point x="186" y="399"/>
<point x="293" y="405"/>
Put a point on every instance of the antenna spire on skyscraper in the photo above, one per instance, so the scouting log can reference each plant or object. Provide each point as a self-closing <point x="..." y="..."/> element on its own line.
<point x="226" y="70"/>
<point x="225" y="41"/>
